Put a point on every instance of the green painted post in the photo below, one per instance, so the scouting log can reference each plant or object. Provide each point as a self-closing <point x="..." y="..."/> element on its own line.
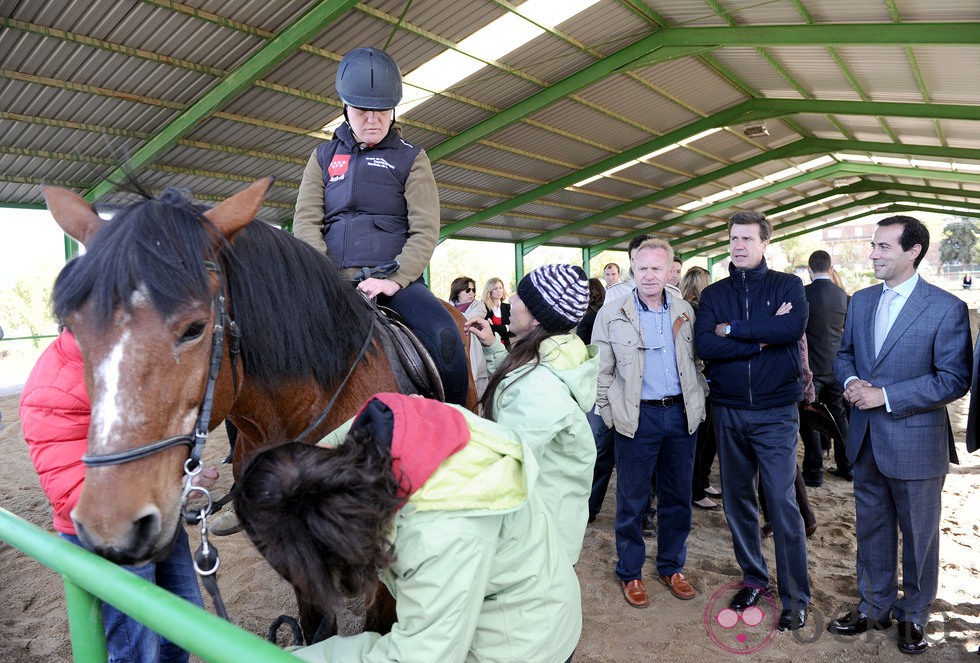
<point x="518" y="261"/>
<point x="586" y="259"/>
<point x="85" y="624"/>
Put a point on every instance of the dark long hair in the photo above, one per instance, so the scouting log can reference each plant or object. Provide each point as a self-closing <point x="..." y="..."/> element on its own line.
<point x="320" y="516"/>
<point x="523" y="351"/>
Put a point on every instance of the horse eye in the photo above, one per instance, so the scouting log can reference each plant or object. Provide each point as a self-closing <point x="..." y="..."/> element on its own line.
<point x="193" y="331"/>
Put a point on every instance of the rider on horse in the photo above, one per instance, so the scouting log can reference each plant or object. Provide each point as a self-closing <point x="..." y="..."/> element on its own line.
<point x="370" y="197"/>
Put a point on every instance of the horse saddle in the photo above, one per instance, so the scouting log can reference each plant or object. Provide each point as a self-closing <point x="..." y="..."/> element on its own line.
<point x="415" y="369"/>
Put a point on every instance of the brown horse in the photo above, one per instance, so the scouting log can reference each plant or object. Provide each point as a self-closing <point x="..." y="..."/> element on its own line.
<point x="156" y="304"/>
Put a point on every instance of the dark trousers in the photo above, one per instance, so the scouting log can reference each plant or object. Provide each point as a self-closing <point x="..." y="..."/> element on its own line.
<point x="704" y="455"/>
<point x="802" y="501"/>
<point x="437" y="330"/>
<point x="662" y="445"/>
<point x="883" y="506"/>
<point x="829" y="393"/>
<point x="761" y="445"/>
<point x="605" y="460"/>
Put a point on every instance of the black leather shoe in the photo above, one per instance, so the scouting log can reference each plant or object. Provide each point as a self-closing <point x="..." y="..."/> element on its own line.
<point x="856" y="622"/>
<point x="843" y="474"/>
<point x="911" y="639"/>
<point x="791" y="620"/>
<point x="746" y="598"/>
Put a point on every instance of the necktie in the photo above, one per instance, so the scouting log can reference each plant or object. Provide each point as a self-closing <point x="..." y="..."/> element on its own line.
<point x="881" y="318"/>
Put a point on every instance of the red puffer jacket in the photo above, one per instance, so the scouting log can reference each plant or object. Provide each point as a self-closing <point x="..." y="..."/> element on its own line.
<point x="54" y="416"/>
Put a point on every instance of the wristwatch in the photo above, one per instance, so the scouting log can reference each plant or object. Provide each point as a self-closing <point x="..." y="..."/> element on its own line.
<point x="728" y="330"/>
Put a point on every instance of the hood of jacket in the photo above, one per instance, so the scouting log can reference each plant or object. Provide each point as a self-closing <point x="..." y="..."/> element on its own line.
<point x="447" y="458"/>
<point x="575" y="364"/>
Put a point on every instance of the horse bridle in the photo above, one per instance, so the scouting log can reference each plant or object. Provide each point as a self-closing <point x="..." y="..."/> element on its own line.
<point x="195" y="441"/>
<point x="206" y="558"/>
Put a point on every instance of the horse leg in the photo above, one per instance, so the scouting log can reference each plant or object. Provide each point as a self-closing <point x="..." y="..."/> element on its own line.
<point x="381" y="613"/>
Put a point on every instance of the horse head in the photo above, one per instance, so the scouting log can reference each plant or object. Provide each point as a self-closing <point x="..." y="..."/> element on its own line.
<point x="144" y="303"/>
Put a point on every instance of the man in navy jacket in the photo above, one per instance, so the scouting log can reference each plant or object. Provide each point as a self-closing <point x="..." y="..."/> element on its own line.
<point x="748" y="328"/>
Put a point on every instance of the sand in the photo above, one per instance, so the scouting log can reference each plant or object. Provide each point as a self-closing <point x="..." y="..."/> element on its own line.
<point x="34" y="626"/>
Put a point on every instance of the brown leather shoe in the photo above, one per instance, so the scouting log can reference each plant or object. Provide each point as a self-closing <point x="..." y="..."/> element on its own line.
<point x="679" y="586"/>
<point x="636" y="593"/>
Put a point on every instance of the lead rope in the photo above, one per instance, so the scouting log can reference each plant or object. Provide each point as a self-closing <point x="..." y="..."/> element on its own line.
<point x="206" y="559"/>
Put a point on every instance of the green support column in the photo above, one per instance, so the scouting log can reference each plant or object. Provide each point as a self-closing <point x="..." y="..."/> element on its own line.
<point x="586" y="259"/>
<point x="426" y="277"/>
<point x="518" y="261"/>
<point x="71" y="248"/>
<point x="85" y="624"/>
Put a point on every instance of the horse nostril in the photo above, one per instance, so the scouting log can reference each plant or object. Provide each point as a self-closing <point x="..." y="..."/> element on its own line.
<point x="146" y="529"/>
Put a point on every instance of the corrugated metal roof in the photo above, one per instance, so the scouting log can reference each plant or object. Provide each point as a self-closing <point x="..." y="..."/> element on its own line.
<point x="85" y="83"/>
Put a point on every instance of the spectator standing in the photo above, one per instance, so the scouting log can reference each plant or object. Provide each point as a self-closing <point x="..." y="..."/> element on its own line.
<point x="497" y="310"/>
<point x="905" y="354"/>
<point x="601" y="433"/>
<point x="462" y="295"/>
<point x="693" y="282"/>
<point x="652" y="392"/>
<point x="675" y="272"/>
<point x="611" y="273"/>
<point x="748" y="328"/>
<point x="597" y="295"/>
<point x="824" y="329"/>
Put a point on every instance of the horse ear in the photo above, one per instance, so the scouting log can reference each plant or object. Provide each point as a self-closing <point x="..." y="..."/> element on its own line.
<point x="233" y="214"/>
<point x="74" y="214"/>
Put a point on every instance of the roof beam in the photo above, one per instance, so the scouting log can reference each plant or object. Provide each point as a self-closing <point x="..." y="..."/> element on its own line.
<point x="657" y="47"/>
<point x="267" y="57"/>
<point x="753" y="109"/>
<point x="797" y="148"/>
<point x="826" y="171"/>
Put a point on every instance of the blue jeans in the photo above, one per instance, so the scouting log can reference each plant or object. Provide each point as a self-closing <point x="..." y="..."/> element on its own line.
<point x="760" y="445"/>
<point x="437" y="330"/>
<point x="662" y="445"/>
<point x="129" y="641"/>
<point x="605" y="460"/>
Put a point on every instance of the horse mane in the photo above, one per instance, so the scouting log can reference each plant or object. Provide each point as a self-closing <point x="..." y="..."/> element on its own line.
<point x="154" y="245"/>
<point x="297" y="317"/>
<point x="320" y="516"/>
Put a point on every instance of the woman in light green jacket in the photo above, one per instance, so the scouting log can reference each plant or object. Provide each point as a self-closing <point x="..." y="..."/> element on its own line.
<point x="441" y="503"/>
<point x="544" y="387"/>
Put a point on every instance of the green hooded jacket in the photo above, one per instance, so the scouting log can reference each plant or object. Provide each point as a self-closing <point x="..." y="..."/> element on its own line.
<point x="480" y="574"/>
<point x="546" y="404"/>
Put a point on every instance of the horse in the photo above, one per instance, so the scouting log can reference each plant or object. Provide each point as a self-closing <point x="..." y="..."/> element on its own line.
<point x="186" y="316"/>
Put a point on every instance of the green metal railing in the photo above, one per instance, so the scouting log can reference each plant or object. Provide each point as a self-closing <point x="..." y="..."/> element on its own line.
<point x="88" y="578"/>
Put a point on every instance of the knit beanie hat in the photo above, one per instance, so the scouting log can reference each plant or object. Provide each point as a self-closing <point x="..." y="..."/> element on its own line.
<point x="556" y="295"/>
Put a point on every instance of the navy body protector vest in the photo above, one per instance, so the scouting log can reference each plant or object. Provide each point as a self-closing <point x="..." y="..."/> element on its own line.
<point x="365" y="220"/>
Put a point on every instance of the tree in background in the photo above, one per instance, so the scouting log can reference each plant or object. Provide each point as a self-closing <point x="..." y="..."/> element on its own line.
<point x="959" y="242"/>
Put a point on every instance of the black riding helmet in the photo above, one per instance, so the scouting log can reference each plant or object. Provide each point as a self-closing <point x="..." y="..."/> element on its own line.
<point x="368" y="78"/>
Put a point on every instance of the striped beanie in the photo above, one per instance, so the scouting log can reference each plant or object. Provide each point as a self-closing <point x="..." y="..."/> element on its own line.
<point x="556" y="295"/>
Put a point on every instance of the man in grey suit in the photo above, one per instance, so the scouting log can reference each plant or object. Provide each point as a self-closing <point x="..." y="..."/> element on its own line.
<point x="905" y="354"/>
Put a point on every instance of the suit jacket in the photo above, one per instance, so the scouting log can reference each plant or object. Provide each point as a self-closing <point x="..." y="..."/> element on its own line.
<point x="972" y="426"/>
<point x="825" y="326"/>
<point x="924" y="364"/>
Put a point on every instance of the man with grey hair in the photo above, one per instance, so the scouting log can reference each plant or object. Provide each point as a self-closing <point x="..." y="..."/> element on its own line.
<point x="651" y="391"/>
<point x="748" y="329"/>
